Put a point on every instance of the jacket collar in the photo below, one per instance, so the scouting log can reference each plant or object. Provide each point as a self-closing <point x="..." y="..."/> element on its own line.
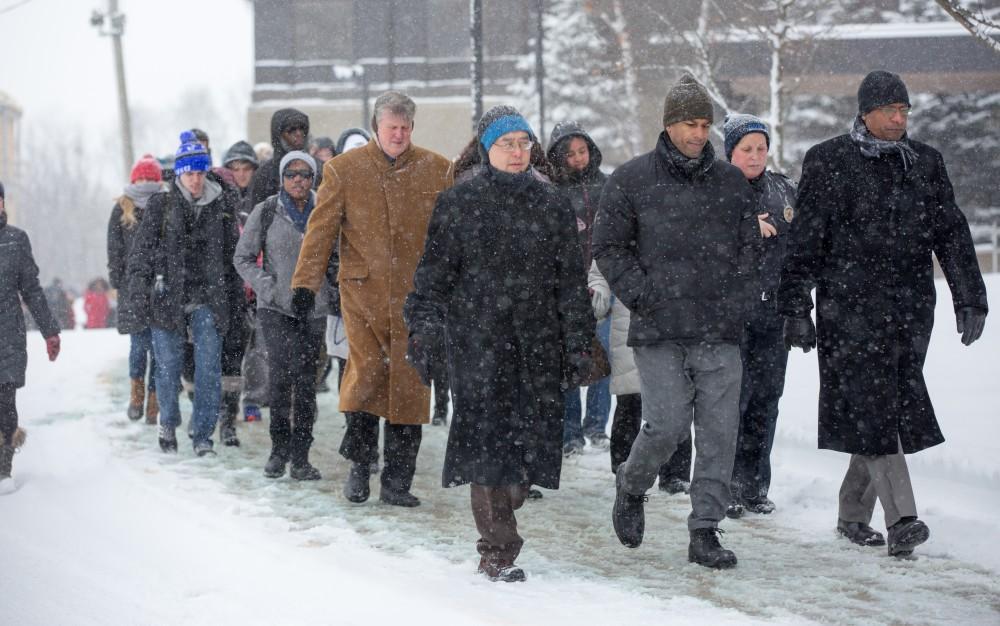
<point x="381" y="162"/>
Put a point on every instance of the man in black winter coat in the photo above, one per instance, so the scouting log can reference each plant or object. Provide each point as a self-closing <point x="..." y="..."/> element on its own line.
<point x="289" y="131"/>
<point x="181" y="280"/>
<point x="18" y="280"/>
<point x="676" y="237"/>
<point x="873" y="205"/>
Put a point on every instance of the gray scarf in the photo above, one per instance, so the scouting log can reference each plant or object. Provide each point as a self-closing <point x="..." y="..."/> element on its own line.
<point x="873" y="147"/>
<point x="141" y="192"/>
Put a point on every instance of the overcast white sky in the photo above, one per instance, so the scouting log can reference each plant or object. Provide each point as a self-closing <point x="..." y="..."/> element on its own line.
<point x="60" y="71"/>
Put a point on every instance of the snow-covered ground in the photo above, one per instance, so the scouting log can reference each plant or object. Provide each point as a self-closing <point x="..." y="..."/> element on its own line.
<point x="104" y="529"/>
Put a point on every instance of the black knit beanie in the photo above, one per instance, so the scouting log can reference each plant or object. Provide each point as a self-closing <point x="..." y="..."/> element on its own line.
<point x="880" y="88"/>
<point x="686" y="100"/>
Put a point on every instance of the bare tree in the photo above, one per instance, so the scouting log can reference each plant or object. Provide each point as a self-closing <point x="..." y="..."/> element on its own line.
<point x="984" y="28"/>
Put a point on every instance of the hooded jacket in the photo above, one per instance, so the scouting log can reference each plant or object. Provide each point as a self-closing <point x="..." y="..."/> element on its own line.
<point x="266" y="181"/>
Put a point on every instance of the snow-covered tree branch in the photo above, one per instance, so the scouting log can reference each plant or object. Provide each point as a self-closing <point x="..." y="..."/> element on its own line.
<point x="982" y="27"/>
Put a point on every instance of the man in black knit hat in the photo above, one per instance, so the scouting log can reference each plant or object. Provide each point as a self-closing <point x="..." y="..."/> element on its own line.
<point x="676" y="236"/>
<point x="872" y="206"/>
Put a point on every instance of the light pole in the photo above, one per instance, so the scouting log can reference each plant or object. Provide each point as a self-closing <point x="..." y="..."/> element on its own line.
<point x="112" y="24"/>
<point x="476" y="31"/>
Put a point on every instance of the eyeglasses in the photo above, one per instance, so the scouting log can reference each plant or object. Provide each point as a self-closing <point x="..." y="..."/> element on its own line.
<point x="306" y="174"/>
<point x="510" y="146"/>
<point x="890" y="111"/>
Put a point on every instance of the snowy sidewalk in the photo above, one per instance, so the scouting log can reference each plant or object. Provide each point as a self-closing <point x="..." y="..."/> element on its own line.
<point x="106" y="530"/>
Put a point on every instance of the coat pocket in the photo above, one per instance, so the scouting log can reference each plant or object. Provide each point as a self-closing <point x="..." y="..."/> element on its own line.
<point x="352" y="271"/>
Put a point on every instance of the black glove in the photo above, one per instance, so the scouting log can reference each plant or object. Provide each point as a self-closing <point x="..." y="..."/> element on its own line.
<point x="578" y="369"/>
<point x="799" y="332"/>
<point x="302" y="302"/>
<point x="426" y="354"/>
<point x="971" y="321"/>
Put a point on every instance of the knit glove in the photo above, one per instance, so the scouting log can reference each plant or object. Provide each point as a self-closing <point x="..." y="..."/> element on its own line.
<point x="799" y="332"/>
<point x="302" y="302"/>
<point x="426" y="354"/>
<point x="971" y="321"/>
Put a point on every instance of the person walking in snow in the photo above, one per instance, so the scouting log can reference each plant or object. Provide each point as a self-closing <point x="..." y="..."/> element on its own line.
<point x="763" y="351"/>
<point x="874" y="205"/>
<point x="575" y="162"/>
<point x="181" y="281"/>
<point x="145" y="179"/>
<point x="289" y="131"/>
<point x="18" y="280"/>
<point x="275" y="230"/>
<point x="376" y="202"/>
<point x="676" y="237"/>
<point x="499" y="300"/>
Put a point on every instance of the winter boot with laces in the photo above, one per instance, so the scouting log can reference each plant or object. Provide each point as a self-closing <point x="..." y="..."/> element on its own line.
<point x="861" y="534"/>
<point x="302" y="469"/>
<point x="356" y="488"/>
<point x="705" y="549"/>
<point x="905" y="535"/>
<point x="168" y="438"/>
<point x="152" y="407"/>
<point x="628" y="515"/>
<point x="397" y="497"/>
<point x="762" y="505"/>
<point x="137" y="398"/>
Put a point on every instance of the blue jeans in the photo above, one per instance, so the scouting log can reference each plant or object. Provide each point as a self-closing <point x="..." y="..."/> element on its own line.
<point x="141" y="345"/>
<point x="598" y="400"/>
<point x="169" y="349"/>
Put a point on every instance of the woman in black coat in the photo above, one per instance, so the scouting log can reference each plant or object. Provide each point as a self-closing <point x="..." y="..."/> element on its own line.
<point x="500" y="295"/>
<point x="18" y="280"/>
<point x="146" y="179"/>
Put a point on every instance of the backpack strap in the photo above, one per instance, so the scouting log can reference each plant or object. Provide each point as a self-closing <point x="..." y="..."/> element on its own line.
<point x="266" y="219"/>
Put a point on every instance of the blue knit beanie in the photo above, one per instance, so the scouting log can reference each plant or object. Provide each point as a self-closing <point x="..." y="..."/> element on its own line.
<point x="738" y="125"/>
<point x="499" y="121"/>
<point x="191" y="156"/>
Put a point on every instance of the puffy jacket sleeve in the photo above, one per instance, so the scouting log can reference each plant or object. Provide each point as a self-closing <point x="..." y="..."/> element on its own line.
<point x="31" y="291"/>
<point x="142" y="257"/>
<point x="248" y="248"/>
<point x="614" y="246"/>
<point x="953" y="246"/>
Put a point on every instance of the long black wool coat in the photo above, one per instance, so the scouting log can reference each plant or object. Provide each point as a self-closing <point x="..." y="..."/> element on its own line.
<point x="500" y="282"/>
<point x="863" y="238"/>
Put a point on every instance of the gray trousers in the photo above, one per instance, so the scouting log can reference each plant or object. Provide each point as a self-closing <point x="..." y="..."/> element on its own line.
<point x="680" y="384"/>
<point x="885" y="477"/>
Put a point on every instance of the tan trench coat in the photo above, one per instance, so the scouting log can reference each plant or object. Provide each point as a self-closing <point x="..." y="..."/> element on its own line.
<point x="380" y="213"/>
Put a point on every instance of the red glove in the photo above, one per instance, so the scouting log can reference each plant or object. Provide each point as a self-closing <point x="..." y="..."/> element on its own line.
<point x="52" y="346"/>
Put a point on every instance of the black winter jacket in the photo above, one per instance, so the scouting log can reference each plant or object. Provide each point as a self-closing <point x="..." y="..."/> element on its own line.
<point x="120" y="240"/>
<point x="500" y="283"/>
<point x="19" y="279"/>
<point x="194" y="254"/>
<point x="775" y="195"/>
<point x="266" y="180"/>
<point x="863" y="239"/>
<point x="679" y="251"/>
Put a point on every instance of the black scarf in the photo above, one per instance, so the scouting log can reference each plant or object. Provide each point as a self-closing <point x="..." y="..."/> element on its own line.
<point x="691" y="169"/>
<point x="873" y="147"/>
<point x="511" y="183"/>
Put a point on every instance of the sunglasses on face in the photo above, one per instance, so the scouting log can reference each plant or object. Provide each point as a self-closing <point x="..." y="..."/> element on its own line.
<point x="305" y="174"/>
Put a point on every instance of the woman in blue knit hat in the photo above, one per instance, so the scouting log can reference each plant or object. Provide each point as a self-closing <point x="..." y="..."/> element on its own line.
<point x="763" y="350"/>
<point x="500" y="302"/>
<point x="182" y="282"/>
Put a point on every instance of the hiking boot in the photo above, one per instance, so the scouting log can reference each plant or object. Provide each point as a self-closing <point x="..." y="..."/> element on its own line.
<point x="275" y="466"/>
<point x="152" y="407"/>
<point x="533" y="494"/>
<point x="506" y="574"/>
<point x="398" y="498"/>
<point x="137" y="397"/>
<point x="628" y="515"/>
<point x="905" y="535"/>
<point x="861" y="534"/>
<point x="356" y="488"/>
<point x="761" y="505"/>
<point x="705" y="549"/>
<point x="599" y="441"/>
<point x="227" y="433"/>
<point x="304" y="471"/>
<point x="251" y="413"/>
<point x="440" y="417"/>
<point x="572" y="448"/>
<point x="674" y="486"/>
<point x="168" y="438"/>
<point x="204" y="448"/>
<point x="734" y="510"/>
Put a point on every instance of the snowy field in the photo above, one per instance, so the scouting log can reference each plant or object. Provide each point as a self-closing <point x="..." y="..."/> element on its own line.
<point x="104" y="529"/>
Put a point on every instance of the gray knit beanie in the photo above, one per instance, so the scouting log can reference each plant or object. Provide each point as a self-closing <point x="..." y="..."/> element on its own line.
<point x="687" y="100"/>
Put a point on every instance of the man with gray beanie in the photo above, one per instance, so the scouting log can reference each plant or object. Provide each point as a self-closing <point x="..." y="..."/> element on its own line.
<point x="873" y="205"/>
<point x="676" y="236"/>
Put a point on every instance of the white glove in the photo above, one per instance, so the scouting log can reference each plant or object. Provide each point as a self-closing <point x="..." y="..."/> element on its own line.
<point x="601" y="302"/>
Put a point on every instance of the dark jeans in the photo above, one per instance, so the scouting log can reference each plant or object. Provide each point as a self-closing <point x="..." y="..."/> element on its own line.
<point x="8" y="410"/>
<point x="402" y="442"/>
<point x="141" y="349"/>
<point x="764" y="360"/>
<point x="625" y="427"/>
<point x="293" y="348"/>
